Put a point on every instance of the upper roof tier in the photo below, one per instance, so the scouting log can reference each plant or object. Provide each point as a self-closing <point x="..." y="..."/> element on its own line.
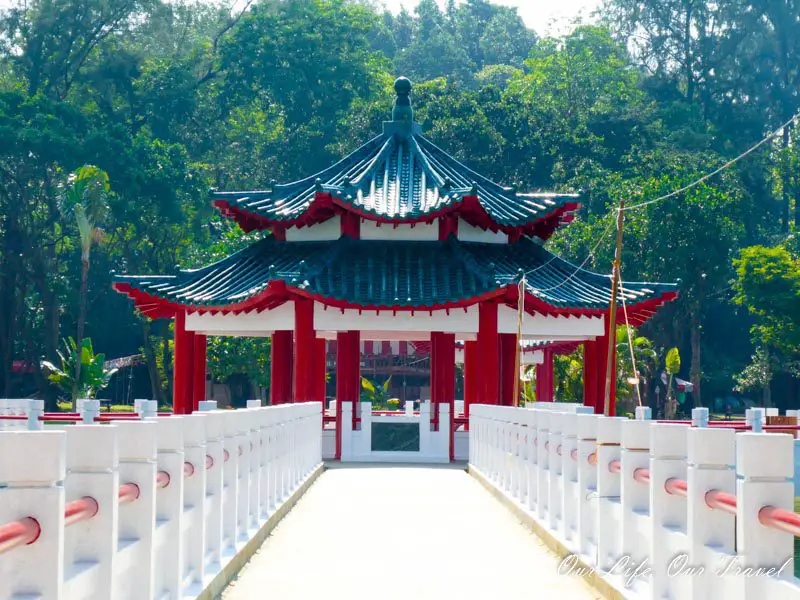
<point x="399" y="177"/>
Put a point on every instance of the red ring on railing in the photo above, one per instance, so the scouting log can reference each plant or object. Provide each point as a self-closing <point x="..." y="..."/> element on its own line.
<point x="592" y="458"/>
<point x="676" y="487"/>
<point x="209" y="462"/>
<point x="79" y="510"/>
<point x="558" y="449"/>
<point x="723" y="501"/>
<point x="642" y="475"/>
<point x="614" y="466"/>
<point x="574" y="454"/>
<point x="225" y="455"/>
<point x="128" y="492"/>
<point x="780" y="519"/>
<point x="162" y="479"/>
<point x="188" y="469"/>
<point x="23" y="532"/>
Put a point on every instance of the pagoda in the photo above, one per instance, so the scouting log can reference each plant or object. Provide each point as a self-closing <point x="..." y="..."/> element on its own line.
<point x="398" y="241"/>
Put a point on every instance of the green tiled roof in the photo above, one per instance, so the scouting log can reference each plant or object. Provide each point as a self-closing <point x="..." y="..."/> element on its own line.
<point x="398" y="176"/>
<point x="388" y="274"/>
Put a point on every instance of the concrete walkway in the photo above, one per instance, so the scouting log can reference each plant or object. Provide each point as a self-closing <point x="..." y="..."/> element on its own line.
<point x="402" y="533"/>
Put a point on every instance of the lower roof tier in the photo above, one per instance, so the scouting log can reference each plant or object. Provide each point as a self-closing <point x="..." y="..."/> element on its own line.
<point x="397" y="275"/>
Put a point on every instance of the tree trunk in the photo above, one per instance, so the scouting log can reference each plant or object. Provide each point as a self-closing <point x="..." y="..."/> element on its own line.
<point x="81" y="323"/>
<point x="696" y="366"/>
<point x="156" y="392"/>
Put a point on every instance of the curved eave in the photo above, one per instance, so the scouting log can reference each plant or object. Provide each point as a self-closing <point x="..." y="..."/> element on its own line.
<point x="277" y="292"/>
<point x="326" y="205"/>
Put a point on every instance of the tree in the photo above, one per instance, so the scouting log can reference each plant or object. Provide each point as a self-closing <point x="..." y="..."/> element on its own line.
<point x="672" y="364"/>
<point x="629" y="341"/>
<point x="85" y="198"/>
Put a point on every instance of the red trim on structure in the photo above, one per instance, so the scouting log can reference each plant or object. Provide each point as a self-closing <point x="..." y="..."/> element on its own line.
<point x="471" y="374"/>
<point x="281" y="367"/>
<point x="548" y="383"/>
<point x="199" y="371"/>
<point x="304" y="340"/>
<point x="448" y="225"/>
<point x="488" y="354"/>
<point x="589" y="373"/>
<point x="347" y="378"/>
<point x="351" y="225"/>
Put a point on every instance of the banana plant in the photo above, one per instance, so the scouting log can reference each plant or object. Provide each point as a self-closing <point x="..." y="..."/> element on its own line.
<point x="378" y="395"/>
<point x="82" y="374"/>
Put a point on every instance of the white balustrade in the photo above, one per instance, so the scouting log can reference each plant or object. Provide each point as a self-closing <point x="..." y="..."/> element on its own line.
<point x="657" y="510"/>
<point x="138" y="509"/>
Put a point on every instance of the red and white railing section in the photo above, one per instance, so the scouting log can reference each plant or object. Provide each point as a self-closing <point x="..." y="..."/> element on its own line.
<point x="150" y="508"/>
<point x="660" y="510"/>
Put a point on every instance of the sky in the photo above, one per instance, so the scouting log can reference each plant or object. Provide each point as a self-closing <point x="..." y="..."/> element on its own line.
<point x="543" y="16"/>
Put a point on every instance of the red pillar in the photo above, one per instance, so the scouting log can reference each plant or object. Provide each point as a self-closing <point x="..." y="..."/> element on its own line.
<point x="434" y="377"/>
<point x="589" y="373"/>
<point x="348" y="378"/>
<point x="182" y="367"/>
<point x="471" y="373"/>
<point x="508" y="370"/>
<point x="488" y="354"/>
<point x="545" y="381"/>
<point x="320" y="371"/>
<point x="602" y="362"/>
<point x="280" y="380"/>
<point x="304" y="343"/>
<point x="199" y="371"/>
<point x="443" y="372"/>
<point x="355" y="373"/>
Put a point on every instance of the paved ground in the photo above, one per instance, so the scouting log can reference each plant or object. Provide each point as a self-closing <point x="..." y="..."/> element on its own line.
<point x="385" y="533"/>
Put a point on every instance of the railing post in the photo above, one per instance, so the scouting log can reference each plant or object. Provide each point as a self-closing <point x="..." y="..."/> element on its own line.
<point x="194" y="497"/>
<point x="711" y="457"/>
<point x="554" y="502"/>
<point x="609" y="538"/>
<point x="169" y="509"/>
<point x="635" y="496"/>
<point x="35" y="410"/>
<point x="33" y="487"/>
<point x="532" y="473"/>
<point x="215" y="428"/>
<point x="135" y="561"/>
<point x="764" y="482"/>
<point x="668" y="444"/>
<point x="90" y="410"/>
<point x="587" y="484"/>
<point x="347" y="432"/>
<point x="230" y="481"/>
<point x="543" y="461"/>
<point x="569" y="473"/>
<point x="92" y="470"/>
<point x="700" y="417"/>
<point x="242" y="456"/>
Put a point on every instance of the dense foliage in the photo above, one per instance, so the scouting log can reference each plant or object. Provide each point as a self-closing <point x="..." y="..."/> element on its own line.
<point x="170" y="98"/>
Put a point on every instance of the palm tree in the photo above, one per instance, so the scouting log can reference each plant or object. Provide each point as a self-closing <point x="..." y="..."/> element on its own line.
<point x="83" y="373"/>
<point x="644" y="354"/>
<point x="85" y="197"/>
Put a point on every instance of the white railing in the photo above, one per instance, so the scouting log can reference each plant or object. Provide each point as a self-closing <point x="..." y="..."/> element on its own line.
<point x="657" y="510"/>
<point x="153" y="508"/>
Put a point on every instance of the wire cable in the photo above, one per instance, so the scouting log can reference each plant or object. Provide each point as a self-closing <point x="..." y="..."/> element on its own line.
<point x="630" y="335"/>
<point x="718" y="170"/>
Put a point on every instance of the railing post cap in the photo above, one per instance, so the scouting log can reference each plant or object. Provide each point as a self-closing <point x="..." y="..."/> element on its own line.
<point x="643" y="413"/>
<point x="91" y="447"/>
<point x="543" y="419"/>
<point x="136" y="440"/>
<point x="169" y="433"/>
<point x="668" y="440"/>
<point x="636" y="434"/>
<point x="587" y="426"/>
<point x="765" y="455"/>
<point x="194" y="429"/>
<point x="556" y="420"/>
<point x="609" y="429"/>
<point x="710" y="446"/>
<point x="48" y="448"/>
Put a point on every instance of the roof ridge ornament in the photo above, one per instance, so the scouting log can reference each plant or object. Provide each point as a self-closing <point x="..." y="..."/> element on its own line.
<point x="402" y="122"/>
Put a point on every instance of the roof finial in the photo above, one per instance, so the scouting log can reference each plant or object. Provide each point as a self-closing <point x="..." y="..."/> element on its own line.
<point x="402" y="110"/>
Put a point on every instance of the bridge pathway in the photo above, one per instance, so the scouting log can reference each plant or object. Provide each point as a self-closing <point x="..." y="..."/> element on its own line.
<point x="408" y="533"/>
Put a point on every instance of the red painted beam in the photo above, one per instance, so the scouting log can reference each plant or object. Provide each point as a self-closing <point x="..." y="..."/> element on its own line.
<point x="304" y="341"/>
<point x="488" y="353"/>
<point x="280" y="390"/>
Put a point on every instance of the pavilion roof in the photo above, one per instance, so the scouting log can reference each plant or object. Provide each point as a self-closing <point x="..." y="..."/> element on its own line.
<point x="399" y="177"/>
<point x="395" y="275"/>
